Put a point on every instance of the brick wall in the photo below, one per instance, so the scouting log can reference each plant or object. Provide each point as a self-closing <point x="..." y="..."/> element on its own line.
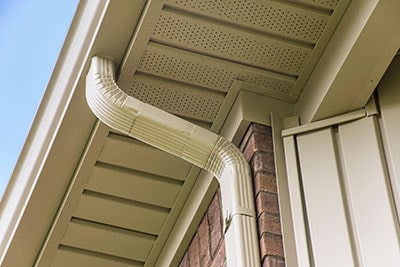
<point x="207" y="247"/>
<point x="257" y="147"/>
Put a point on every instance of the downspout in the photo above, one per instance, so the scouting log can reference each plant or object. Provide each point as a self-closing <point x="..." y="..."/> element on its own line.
<point x="190" y="142"/>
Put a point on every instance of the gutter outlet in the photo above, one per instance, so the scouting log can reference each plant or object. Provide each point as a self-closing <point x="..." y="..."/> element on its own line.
<point x="190" y="142"/>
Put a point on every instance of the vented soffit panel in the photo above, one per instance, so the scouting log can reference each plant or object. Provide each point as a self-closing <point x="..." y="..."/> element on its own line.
<point x="186" y="54"/>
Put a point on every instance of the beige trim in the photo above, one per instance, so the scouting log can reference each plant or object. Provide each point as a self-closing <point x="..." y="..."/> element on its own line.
<point x="365" y="42"/>
<point x="282" y="181"/>
<point x="250" y="106"/>
<point x="72" y="196"/>
<point x="357" y="114"/>
<point x="54" y="129"/>
<point x="389" y="100"/>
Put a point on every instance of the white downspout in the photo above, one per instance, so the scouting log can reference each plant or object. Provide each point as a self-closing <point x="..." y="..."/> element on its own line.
<point x="190" y="142"/>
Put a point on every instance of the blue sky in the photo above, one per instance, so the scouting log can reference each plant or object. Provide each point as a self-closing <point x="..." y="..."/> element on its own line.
<point x="31" y="36"/>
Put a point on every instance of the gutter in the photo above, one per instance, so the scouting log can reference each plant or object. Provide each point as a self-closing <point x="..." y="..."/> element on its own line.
<point x="190" y="142"/>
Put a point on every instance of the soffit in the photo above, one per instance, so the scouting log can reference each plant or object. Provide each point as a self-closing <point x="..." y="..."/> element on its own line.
<point x="358" y="54"/>
<point x="60" y="130"/>
<point x="120" y="206"/>
<point x="185" y="57"/>
<point x="126" y="205"/>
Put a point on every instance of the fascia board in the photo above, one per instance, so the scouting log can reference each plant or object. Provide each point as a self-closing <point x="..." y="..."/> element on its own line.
<point x="252" y="107"/>
<point x="354" y="61"/>
<point x="60" y="129"/>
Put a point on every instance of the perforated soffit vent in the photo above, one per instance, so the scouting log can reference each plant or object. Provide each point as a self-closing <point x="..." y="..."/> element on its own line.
<point x="187" y="54"/>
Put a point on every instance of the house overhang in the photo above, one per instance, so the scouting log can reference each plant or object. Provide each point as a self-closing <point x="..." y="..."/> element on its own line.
<point x="60" y="130"/>
<point x="358" y="54"/>
<point x="107" y="28"/>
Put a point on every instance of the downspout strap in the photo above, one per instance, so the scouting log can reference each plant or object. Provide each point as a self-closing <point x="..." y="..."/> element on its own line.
<point x="241" y="211"/>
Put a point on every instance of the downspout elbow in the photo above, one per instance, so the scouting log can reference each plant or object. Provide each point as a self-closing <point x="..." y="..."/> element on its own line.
<point x="142" y="121"/>
<point x="232" y="171"/>
<point x="190" y="142"/>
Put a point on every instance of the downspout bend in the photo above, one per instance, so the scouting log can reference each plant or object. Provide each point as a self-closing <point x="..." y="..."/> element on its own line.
<point x="190" y="142"/>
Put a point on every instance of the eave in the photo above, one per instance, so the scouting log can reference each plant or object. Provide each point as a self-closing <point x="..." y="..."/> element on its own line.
<point x="47" y="185"/>
<point x="357" y="56"/>
<point x="41" y="175"/>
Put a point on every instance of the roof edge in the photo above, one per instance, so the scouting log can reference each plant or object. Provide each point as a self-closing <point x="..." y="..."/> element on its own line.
<point x="43" y="171"/>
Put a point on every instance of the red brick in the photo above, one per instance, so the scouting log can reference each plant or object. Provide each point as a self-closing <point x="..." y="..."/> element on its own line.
<point x="204" y="241"/>
<point x="264" y="182"/>
<point x="254" y="127"/>
<point x="220" y="257"/>
<point x="271" y="244"/>
<point x="214" y="216"/>
<point x="263" y="161"/>
<point x="267" y="202"/>
<point x="194" y="258"/>
<point x="258" y="142"/>
<point x="273" y="262"/>
<point x="263" y="141"/>
<point x="185" y="261"/>
<point x="269" y="223"/>
<point x="245" y="139"/>
<point x="257" y="127"/>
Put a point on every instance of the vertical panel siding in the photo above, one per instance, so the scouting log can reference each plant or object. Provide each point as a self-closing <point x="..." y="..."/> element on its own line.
<point x="389" y="99"/>
<point x="351" y="218"/>
<point x="369" y="194"/>
<point x="329" y="231"/>
<point x="295" y="191"/>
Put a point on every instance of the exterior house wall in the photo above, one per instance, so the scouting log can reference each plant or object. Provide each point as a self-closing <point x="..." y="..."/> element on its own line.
<point x="389" y="103"/>
<point x="343" y="170"/>
<point x="207" y="247"/>
<point x="343" y="175"/>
